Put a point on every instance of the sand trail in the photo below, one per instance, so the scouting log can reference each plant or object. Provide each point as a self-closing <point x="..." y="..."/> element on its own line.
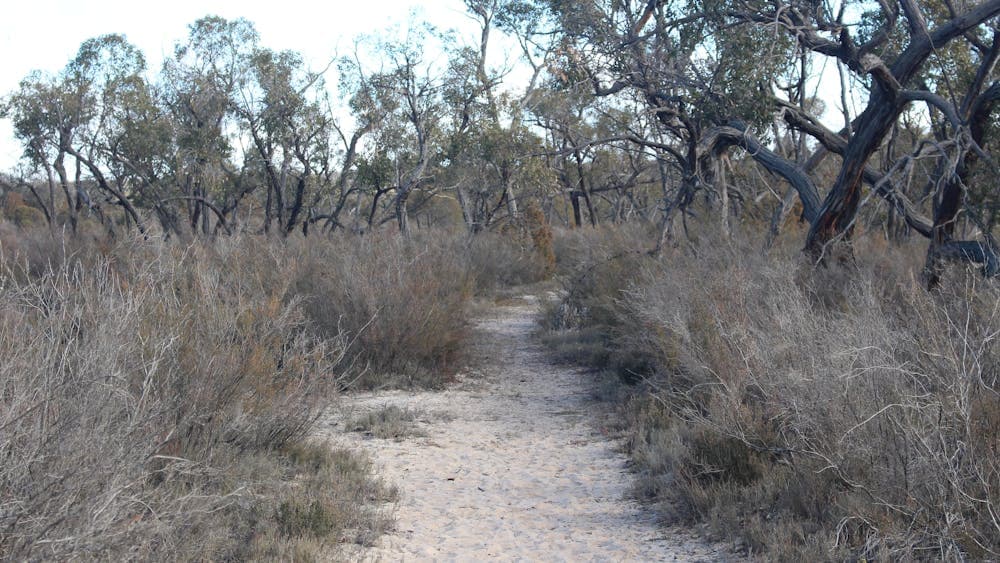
<point x="514" y="466"/>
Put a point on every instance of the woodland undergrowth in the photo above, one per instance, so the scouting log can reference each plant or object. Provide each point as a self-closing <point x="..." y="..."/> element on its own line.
<point x="157" y="398"/>
<point x="830" y="413"/>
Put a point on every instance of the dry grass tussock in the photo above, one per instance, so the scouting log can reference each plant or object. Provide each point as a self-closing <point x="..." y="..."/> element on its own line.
<point x="833" y="414"/>
<point x="155" y="399"/>
<point x="390" y="422"/>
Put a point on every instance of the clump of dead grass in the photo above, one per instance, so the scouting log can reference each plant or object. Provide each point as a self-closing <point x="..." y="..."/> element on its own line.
<point x="390" y="422"/>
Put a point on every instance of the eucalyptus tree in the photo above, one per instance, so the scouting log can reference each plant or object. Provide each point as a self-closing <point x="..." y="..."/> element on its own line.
<point x="202" y="83"/>
<point x="284" y="110"/>
<point x="490" y="154"/>
<point x="676" y="56"/>
<point x="76" y="114"/>
<point x="34" y="109"/>
<point x="569" y="122"/>
<point x="136" y="146"/>
<point x="360" y="173"/>
<point x="692" y="74"/>
<point x="504" y="138"/>
<point x="249" y="119"/>
<point x="897" y="47"/>
<point x="407" y="90"/>
<point x="497" y="167"/>
<point x="490" y="157"/>
<point x="622" y="175"/>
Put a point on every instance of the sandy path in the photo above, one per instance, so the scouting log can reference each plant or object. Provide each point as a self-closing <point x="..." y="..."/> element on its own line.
<point x="513" y="467"/>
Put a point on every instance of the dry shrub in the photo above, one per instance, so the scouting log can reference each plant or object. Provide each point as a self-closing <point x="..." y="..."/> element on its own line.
<point x="815" y="414"/>
<point x="37" y="252"/>
<point x="154" y="397"/>
<point x="403" y="303"/>
<point x="583" y="325"/>
<point x="334" y="500"/>
<point x="149" y="396"/>
<point x="497" y="261"/>
<point x="521" y="253"/>
<point x="541" y="238"/>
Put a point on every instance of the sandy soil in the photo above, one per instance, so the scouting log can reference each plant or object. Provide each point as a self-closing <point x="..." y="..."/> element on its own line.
<point x="514" y="465"/>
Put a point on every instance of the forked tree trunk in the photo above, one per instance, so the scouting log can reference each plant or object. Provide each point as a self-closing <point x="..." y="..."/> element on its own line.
<point x="949" y="202"/>
<point x="837" y="215"/>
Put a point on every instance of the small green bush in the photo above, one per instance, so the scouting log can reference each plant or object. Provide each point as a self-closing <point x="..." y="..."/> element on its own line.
<point x="301" y="517"/>
<point x="27" y="217"/>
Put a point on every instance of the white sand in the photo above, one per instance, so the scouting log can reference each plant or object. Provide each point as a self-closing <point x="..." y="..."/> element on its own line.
<point x="520" y="471"/>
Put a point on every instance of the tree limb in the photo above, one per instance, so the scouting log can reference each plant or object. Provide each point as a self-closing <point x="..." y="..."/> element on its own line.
<point x="735" y="134"/>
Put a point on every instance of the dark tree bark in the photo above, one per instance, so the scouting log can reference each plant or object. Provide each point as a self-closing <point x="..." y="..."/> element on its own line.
<point x="574" y="197"/>
<point x="402" y="215"/>
<point x="718" y="139"/>
<point x="951" y="197"/>
<point x="837" y="215"/>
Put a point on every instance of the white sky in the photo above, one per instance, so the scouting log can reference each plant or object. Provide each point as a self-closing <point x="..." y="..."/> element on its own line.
<point x="45" y="34"/>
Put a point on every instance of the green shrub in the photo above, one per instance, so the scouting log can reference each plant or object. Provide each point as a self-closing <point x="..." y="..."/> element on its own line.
<point x="27" y="217"/>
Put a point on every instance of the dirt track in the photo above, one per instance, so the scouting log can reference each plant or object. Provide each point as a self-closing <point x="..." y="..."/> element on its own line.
<point x="514" y="466"/>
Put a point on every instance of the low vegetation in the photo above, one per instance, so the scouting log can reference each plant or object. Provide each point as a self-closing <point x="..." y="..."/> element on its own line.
<point x="156" y="399"/>
<point x="839" y="413"/>
<point x="402" y="303"/>
<point x="390" y="422"/>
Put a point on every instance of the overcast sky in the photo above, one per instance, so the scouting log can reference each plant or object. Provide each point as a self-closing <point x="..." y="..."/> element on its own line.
<point x="45" y="34"/>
